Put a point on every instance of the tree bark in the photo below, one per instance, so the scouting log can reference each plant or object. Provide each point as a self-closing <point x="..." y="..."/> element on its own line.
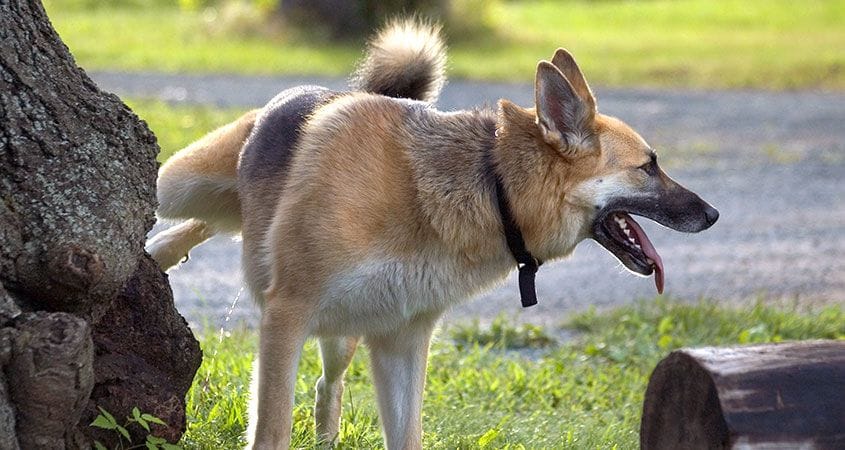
<point x="77" y="182"/>
<point x="789" y="395"/>
<point x="51" y="375"/>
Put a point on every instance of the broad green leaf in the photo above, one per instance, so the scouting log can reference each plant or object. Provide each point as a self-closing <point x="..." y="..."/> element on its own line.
<point x="107" y="415"/>
<point x="143" y="423"/>
<point x="124" y="433"/>
<point x="103" y="422"/>
<point x="153" y="419"/>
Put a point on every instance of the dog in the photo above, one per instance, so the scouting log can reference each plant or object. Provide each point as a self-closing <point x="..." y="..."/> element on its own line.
<point x="367" y="214"/>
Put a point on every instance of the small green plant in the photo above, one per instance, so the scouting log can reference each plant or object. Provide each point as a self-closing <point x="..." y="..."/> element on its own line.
<point x="106" y="421"/>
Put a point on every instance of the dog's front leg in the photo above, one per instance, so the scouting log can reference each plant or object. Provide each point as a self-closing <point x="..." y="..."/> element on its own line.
<point x="398" y="364"/>
<point x="284" y="327"/>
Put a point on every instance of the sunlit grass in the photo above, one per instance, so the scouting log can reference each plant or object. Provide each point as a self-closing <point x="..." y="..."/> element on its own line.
<point x="176" y="126"/>
<point x="586" y="393"/>
<point x="776" y="44"/>
<point x="727" y="43"/>
<point x="173" y="40"/>
<point x="217" y="402"/>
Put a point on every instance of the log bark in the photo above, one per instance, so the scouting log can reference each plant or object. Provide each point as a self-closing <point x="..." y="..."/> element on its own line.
<point x="789" y="395"/>
<point x="86" y="318"/>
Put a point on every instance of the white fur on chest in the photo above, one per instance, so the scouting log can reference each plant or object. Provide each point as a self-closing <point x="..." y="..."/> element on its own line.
<point x="383" y="294"/>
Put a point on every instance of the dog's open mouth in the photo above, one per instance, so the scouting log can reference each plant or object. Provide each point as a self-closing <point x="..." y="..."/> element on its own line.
<point x="624" y="237"/>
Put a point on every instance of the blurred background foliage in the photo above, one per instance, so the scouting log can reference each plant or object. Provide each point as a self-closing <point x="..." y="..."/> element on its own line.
<point x="761" y="44"/>
<point x="322" y="19"/>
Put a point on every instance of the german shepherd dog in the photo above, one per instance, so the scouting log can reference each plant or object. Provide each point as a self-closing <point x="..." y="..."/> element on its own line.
<point x="367" y="214"/>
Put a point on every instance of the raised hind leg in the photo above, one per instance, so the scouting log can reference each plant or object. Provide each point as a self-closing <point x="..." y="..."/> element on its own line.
<point x="173" y="244"/>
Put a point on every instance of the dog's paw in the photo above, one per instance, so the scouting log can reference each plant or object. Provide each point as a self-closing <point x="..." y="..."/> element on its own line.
<point x="165" y="250"/>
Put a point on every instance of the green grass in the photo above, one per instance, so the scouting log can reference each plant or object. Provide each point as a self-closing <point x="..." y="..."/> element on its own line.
<point x="586" y="393"/>
<point x="772" y="44"/>
<point x="176" y="126"/>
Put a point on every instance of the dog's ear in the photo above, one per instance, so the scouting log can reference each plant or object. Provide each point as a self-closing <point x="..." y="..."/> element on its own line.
<point x="564" y="61"/>
<point x="564" y="118"/>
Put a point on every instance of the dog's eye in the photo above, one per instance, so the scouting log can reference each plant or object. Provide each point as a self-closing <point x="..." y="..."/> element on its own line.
<point x="650" y="167"/>
<point x="647" y="168"/>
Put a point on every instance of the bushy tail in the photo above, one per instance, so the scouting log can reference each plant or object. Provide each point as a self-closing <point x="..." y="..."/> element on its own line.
<point x="406" y="59"/>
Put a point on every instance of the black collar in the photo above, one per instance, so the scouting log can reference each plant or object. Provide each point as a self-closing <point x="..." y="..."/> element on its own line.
<point x="525" y="261"/>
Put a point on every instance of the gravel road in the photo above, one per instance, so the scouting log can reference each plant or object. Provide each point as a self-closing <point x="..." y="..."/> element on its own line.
<point x="772" y="163"/>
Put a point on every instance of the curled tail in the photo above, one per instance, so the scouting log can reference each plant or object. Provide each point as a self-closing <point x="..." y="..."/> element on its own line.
<point x="406" y="59"/>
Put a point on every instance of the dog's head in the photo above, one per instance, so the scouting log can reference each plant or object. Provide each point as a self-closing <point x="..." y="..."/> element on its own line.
<point x="610" y="171"/>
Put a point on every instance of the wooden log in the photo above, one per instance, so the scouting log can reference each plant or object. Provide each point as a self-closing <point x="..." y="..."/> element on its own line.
<point x="784" y="396"/>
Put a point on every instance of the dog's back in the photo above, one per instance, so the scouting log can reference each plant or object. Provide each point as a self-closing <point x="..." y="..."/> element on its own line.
<point x="242" y="166"/>
<point x="369" y="215"/>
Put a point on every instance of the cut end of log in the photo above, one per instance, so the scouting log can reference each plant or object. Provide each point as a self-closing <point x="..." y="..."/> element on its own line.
<point x="788" y="395"/>
<point x="682" y="407"/>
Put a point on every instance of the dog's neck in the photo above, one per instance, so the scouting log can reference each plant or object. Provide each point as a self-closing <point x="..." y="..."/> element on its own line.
<point x="531" y="177"/>
<point x="526" y="263"/>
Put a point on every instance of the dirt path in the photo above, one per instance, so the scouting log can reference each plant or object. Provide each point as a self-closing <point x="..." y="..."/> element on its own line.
<point x="772" y="163"/>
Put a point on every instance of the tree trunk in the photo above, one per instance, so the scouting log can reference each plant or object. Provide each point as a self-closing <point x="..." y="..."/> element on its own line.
<point x="789" y="395"/>
<point x="86" y="318"/>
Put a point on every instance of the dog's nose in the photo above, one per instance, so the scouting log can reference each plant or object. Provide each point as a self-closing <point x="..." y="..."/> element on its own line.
<point x="711" y="214"/>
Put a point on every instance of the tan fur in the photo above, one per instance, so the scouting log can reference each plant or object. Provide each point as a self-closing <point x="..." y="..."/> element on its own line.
<point x="386" y="216"/>
<point x="395" y="58"/>
<point x="540" y="177"/>
<point x="336" y="354"/>
<point x="199" y="184"/>
<point x="200" y="181"/>
<point x="172" y="245"/>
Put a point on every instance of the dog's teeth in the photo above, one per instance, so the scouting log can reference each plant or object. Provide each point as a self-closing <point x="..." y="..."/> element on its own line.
<point x="621" y="222"/>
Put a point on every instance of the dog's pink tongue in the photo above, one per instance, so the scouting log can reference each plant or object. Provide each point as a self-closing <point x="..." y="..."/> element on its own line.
<point x="658" y="271"/>
<point x="650" y="252"/>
